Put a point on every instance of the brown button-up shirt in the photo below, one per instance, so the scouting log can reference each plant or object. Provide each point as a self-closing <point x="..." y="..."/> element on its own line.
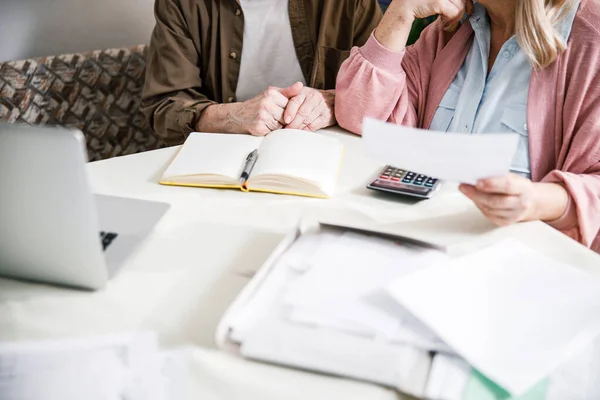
<point x="196" y="46"/>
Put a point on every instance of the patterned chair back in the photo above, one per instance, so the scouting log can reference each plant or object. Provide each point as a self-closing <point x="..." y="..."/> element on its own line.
<point x="97" y="92"/>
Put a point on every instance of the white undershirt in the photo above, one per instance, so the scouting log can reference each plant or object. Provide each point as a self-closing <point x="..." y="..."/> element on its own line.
<point x="268" y="53"/>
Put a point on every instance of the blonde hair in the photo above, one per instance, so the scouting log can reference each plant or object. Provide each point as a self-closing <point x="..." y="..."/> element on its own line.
<point x="535" y="31"/>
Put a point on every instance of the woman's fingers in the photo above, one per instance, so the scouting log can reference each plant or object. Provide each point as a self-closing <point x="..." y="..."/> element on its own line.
<point x="469" y="7"/>
<point x="453" y="14"/>
<point x="511" y="184"/>
<point x="493" y="201"/>
<point x="451" y="10"/>
<point x="501" y="209"/>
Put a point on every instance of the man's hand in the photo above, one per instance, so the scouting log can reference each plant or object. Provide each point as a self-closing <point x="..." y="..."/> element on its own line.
<point x="264" y="113"/>
<point x="512" y="198"/>
<point x="311" y="110"/>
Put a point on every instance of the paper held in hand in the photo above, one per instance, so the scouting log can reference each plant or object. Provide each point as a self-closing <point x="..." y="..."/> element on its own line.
<point x="448" y="156"/>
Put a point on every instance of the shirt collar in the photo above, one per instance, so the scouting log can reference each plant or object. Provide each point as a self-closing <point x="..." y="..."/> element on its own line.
<point x="563" y="27"/>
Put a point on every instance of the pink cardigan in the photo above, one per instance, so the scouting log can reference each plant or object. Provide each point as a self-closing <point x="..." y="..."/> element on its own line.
<point x="563" y="113"/>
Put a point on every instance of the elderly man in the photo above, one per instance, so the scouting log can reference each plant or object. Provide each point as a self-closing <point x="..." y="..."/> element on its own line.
<point x="249" y="66"/>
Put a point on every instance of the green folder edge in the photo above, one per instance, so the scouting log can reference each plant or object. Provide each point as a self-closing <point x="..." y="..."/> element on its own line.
<point x="481" y="388"/>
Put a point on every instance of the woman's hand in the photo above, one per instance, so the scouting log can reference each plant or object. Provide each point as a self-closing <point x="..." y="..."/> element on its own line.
<point x="449" y="10"/>
<point x="512" y="198"/>
<point x="394" y="28"/>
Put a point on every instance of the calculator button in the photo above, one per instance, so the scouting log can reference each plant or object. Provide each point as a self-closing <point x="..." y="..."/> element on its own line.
<point x="421" y="177"/>
<point x="386" y="177"/>
<point x="395" y="179"/>
<point x="407" y="180"/>
<point x="432" y="181"/>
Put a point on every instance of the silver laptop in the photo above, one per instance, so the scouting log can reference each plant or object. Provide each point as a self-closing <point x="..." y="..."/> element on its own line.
<point x="52" y="229"/>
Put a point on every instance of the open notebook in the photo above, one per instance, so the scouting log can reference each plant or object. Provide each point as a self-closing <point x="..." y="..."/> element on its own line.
<point x="289" y="162"/>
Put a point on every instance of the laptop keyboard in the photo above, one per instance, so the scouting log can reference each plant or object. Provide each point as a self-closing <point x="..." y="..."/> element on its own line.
<point x="107" y="238"/>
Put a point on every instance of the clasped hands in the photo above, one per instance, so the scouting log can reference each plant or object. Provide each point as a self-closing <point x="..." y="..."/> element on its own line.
<point x="294" y="107"/>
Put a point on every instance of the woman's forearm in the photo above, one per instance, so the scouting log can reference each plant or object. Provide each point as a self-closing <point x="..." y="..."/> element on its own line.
<point x="394" y="29"/>
<point x="551" y="201"/>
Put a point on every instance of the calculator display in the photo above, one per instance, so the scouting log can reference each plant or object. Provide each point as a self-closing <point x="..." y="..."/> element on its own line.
<point x="396" y="180"/>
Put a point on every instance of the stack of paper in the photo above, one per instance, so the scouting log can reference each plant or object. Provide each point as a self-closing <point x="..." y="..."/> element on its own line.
<point x="99" y="368"/>
<point x="323" y="307"/>
<point x="512" y="313"/>
<point x="361" y="306"/>
<point x="344" y="289"/>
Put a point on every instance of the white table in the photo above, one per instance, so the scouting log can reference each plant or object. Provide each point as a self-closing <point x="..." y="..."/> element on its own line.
<point x="200" y="254"/>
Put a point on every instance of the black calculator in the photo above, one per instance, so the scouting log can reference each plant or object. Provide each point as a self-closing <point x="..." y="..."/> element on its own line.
<point x="408" y="183"/>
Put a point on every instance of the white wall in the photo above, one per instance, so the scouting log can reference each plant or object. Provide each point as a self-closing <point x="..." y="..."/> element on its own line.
<point x="34" y="28"/>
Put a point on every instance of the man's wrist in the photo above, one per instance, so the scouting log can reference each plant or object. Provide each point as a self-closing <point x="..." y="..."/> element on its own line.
<point x="205" y="115"/>
<point x="219" y="118"/>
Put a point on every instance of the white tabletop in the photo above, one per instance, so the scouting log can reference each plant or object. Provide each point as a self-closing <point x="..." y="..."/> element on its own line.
<point x="197" y="258"/>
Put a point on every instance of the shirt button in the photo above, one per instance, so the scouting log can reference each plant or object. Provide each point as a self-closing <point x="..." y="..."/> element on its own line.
<point x="233" y="55"/>
<point x="525" y="127"/>
<point x="238" y="12"/>
<point x="230" y="99"/>
<point x="506" y="54"/>
<point x="466" y="129"/>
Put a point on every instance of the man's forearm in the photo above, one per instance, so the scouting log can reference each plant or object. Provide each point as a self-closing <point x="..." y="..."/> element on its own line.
<point x="220" y="118"/>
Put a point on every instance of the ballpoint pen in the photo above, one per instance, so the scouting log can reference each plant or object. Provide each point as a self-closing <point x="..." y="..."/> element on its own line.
<point x="250" y="161"/>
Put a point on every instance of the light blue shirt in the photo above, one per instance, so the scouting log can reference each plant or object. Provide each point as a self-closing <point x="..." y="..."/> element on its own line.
<point x="480" y="103"/>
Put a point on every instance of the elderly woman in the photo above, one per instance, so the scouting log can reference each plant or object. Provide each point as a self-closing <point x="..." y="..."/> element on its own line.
<point x="525" y="66"/>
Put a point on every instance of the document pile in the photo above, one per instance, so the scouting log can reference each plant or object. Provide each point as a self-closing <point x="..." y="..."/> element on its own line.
<point x="344" y="288"/>
<point x="384" y="311"/>
<point x="100" y="368"/>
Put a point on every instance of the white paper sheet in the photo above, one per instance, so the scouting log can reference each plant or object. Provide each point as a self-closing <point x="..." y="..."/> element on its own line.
<point x="512" y="313"/>
<point x="269" y="329"/>
<point x="448" y="156"/>
<point x="212" y="153"/>
<point x="95" y="368"/>
<point x="344" y="289"/>
<point x="448" y="378"/>
<point x="306" y="156"/>
<point x="405" y="367"/>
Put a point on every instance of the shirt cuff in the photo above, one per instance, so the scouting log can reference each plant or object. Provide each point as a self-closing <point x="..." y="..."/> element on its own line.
<point x="381" y="57"/>
<point x="568" y="220"/>
<point x="189" y="118"/>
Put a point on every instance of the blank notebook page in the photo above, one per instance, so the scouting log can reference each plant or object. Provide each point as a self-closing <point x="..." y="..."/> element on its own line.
<point x="213" y="153"/>
<point x="301" y="154"/>
<point x="511" y="312"/>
